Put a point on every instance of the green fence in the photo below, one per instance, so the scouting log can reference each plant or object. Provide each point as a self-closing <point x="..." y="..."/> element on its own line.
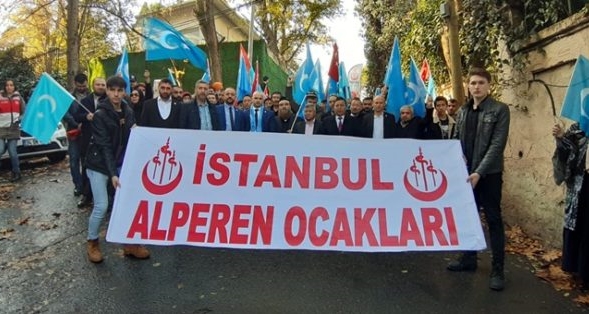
<point x="229" y="53"/>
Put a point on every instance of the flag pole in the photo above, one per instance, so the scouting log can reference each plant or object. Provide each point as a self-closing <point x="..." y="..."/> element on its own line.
<point x="294" y="121"/>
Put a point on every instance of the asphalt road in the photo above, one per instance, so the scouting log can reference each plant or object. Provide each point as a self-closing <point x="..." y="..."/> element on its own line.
<point x="44" y="269"/>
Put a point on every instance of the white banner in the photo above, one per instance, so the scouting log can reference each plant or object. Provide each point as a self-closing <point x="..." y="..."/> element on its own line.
<point x="290" y="191"/>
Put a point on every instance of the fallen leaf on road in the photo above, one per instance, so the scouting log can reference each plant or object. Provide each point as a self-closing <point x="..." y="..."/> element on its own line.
<point x="23" y="221"/>
<point x="551" y="255"/>
<point x="156" y="264"/>
<point x="558" y="278"/>
<point x="56" y="215"/>
<point x="6" y="233"/>
<point x="46" y="226"/>
<point x="180" y="286"/>
<point x="583" y="299"/>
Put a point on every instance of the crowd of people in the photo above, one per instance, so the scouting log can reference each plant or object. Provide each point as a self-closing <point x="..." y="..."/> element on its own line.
<point x="99" y="126"/>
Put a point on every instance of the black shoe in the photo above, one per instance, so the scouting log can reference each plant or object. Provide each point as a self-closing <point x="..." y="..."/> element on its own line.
<point x="15" y="177"/>
<point x="497" y="281"/>
<point x="84" y="202"/>
<point x="463" y="264"/>
<point x="77" y="192"/>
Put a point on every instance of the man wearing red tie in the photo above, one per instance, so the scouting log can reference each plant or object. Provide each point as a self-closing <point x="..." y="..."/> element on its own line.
<point x="341" y="123"/>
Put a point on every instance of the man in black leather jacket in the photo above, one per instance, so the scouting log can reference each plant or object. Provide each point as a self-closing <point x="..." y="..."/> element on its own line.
<point x="482" y="127"/>
<point x="111" y="127"/>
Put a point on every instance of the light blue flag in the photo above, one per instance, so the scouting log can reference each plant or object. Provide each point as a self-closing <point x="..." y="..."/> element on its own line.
<point x="576" y="104"/>
<point x="317" y="81"/>
<point x="302" y="85"/>
<point x="244" y="85"/>
<point x="164" y="42"/>
<point x="47" y="106"/>
<point x="431" y="87"/>
<point x="206" y="77"/>
<point x="316" y="86"/>
<point x="395" y="82"/>
<point x="416" y="93"/>
<point x="344" y="83"/>
<point x="171" y="77"/>
<point x="123" y="70"/>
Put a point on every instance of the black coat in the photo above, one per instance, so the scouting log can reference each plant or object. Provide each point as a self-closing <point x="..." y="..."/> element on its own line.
<point x="351" y="126"/>
<point x="150" y="115"/>
<point x="109" y="138"/>
<point x="190" y="117"/>
<point x="299" y="127"/>
<point x="389" y="126"/>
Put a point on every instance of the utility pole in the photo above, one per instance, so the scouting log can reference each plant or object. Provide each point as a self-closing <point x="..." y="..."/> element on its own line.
<point x="250" y="38"/>
<point x="450" y="12"/>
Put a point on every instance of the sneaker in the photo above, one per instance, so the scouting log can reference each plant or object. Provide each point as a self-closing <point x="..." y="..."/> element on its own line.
<point x="84" y="202"/>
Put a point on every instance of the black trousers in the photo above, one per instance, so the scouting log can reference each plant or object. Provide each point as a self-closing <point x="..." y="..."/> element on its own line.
<point x="487" y="195"/>
<point x="575" y="243"/>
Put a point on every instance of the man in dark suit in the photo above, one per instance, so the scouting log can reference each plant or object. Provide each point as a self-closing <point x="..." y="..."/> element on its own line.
<point x="199" y="114"/>
<point x="341" y="123"/>
<point x="84" y="115"/>
<point x="227" y="113"/>
<point x="257" y="118"/>
<point x="378" y="123"/>
<point x="311" y="125"/>
<point x="161" y="112"/>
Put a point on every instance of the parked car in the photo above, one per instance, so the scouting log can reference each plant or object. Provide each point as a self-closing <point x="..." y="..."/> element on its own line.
<point x="29" y="147"/>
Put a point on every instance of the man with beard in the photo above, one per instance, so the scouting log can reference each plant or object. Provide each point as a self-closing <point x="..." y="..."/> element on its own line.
<point x="258" y="119"/>
<point x="84" y="115"/>
<point x="199" y="114"/>
<point x="367" y="104"/>
<point x="410" y="126"/>
<point x="177" y="94"/>
<point x="73" y="129"/>
<point x="285" y="118"/>
<point x="356" y="108"/>
<point x="227" y="113"/>
<point x="161" y="112"/>
<point x="311" y="125"/>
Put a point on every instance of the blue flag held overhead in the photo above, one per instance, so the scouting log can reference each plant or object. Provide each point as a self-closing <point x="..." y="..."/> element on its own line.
<point x="343" y="84"/>
<point x="123" y="70"/>
<point x="416" y="93"/>
<point x="164" y="42"/>
<point x="302" y="85"/>
<point x="576" y="103"/>
<point x="206" y="77"/>
<point x="395" y="82"/>
<point x="47" y="105"/>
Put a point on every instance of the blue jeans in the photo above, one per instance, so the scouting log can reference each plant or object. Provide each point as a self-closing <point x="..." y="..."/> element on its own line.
<point x="73" y="151"/>
<point x="98" y="184"/>
<point x="10" y="145"/>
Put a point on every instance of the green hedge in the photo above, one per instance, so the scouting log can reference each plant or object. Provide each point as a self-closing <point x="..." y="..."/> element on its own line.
<point x="229" y="63"/>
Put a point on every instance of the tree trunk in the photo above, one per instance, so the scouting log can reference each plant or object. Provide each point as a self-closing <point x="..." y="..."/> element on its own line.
<point x="73" y="42"/>
<point x="206" y="20"/>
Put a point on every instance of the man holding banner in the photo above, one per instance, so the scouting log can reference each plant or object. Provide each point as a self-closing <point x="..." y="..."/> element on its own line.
<point x="482" y="128"/>
<point x="111" y="127"/>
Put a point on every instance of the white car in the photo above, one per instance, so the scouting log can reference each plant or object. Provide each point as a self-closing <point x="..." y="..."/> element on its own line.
<point x="29" y="147"/>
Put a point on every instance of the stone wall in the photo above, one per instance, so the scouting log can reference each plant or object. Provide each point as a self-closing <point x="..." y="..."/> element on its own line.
<point x="530" y="197"/>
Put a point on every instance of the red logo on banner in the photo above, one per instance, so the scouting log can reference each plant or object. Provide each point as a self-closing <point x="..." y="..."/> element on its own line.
<point x="162" y="174"/>
<point x="423" y="181"/>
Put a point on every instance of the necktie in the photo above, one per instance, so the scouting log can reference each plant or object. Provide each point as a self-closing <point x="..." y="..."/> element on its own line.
<point x="256" y="117"/>
<point x="339" y="124"/>
<point x="231" y="117"/>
